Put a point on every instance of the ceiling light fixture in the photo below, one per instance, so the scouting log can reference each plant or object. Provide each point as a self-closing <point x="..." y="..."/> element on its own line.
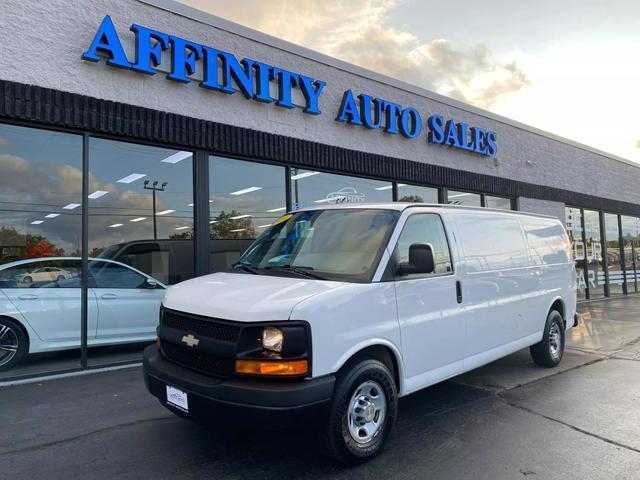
<point x="304" y="175"/>
<point x="164" y="212"/>
<point x="139" y="219"/>
<point x="239" y="216"/>
<point x="115" y="225"/>
<point x="177" y="157"/>
<point x="52" y="215"/>
<point x="98" y="194"/>
<point x="246" y="190"/>
<point x="281" y="209"/>
<point x="132" y="178"/>
<point x="71" y="206"/>
<point x="37" y="222"/>
<point x="238" y="230"/>
<point x="182" y="228"/>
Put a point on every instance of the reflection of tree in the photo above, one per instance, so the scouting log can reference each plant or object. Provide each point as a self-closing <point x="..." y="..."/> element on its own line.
<point x="29" y="244"/>
<point x="224" y="224"/>
<point x="411" y="198"/>
<point x="183" y="235"/>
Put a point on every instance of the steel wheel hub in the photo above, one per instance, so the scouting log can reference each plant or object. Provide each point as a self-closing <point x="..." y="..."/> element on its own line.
<point x="367" y="411"/>
<point x="555" y="340"/>
<point x="8" y="344"/>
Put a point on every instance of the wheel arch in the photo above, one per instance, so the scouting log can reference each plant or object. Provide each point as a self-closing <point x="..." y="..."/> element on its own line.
<point x="558" y="304"/>
<point x="380" y="349"/>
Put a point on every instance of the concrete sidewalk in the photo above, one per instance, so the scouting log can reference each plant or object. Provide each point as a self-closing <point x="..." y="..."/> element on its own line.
<point x="507" y="420"/>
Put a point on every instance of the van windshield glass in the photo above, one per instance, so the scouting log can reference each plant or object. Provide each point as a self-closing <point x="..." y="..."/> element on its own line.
<point x="333" y="244"/>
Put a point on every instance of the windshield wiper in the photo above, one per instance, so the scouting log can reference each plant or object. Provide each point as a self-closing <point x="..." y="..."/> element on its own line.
<point x="246" y="267"/>
<point x="302" y="271"/>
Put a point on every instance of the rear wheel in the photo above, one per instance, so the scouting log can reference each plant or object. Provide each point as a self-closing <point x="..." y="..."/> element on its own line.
<point x="13" y="343"/>
<point x="549" y="351"/>
<point x="363" y="412"/>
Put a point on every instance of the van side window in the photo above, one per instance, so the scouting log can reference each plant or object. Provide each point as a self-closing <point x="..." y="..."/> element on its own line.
<point x="547" y="242"/>
<point x="491" y="242"/>
<point x="425" y="228"/>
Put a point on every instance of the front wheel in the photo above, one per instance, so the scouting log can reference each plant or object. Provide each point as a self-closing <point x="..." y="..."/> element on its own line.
<point x="549" y="351"/>
<point x="363" y="412"/>
<point x="13" y="343"/>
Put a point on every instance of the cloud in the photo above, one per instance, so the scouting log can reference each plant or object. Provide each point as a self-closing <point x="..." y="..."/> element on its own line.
<point x="4" y="142"/>
<point x="638" y="144"/>
<point x="359" y="32"/>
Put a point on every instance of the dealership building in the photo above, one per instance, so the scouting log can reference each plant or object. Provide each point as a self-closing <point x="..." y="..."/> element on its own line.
<point x="154" y="134"/>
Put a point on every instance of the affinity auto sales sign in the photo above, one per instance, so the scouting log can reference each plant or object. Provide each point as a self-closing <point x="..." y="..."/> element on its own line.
<point x="223" y="72"/>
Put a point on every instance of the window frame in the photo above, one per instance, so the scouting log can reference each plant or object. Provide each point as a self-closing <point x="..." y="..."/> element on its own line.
<point x="393" y="257"/>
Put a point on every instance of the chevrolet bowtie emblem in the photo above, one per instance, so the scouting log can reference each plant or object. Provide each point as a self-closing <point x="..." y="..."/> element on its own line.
<point x="190" y="340"/>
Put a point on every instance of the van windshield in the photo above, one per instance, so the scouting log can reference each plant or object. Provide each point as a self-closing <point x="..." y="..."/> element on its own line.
<point x="342" y="245"/>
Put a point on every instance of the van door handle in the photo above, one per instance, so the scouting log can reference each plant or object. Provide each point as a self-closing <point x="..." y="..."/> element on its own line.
<point x="28" y="297"/>
<point x="458" y="291"/>
<point x="109" y="296"/>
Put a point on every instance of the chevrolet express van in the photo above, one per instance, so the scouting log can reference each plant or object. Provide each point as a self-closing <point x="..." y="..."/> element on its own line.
<point x="334" y="313"/>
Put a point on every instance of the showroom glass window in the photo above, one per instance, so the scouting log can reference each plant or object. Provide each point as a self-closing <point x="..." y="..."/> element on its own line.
<point x="40" y="242"/>
<point x="500" y="203"/>
<point x="415" y="193"/>
<point x="140" y="209"/>
<point x="244" y="199"/>
<point x="593" y="251"/>
<point x="631" y="249"/>
<point x="573" y="223"/>
<point x="614" y="259"/>
<point x="465" y="199"/>
<point x="314" y="189"/>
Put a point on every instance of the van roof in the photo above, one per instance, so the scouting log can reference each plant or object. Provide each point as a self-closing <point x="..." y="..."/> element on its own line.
<point x="401" y="206"/>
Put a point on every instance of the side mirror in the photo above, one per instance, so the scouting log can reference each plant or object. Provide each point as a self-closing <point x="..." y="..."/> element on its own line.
<point x="420" y="260"/>
<point x="151" y="283"/>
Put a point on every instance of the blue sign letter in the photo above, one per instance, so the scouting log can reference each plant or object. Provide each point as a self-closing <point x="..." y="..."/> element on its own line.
<point x="286" y="80"/>
<point x="147" y="54"/>
<point x="365" y="111"/>
<point x="348" y="110"/>
<point x="311" y="89"/>
<point x="107" y="41"/>
<point x="436" y="132"/>
<point x="410" y="123"/>
<point x="183" y="59"/>
<point x="263" y="76"/>
<point x="241" y="72"/>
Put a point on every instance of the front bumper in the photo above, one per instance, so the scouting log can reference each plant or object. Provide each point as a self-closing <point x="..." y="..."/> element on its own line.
<point x="239" y="401"/>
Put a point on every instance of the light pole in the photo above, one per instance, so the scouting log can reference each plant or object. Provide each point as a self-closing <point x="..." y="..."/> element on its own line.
<point x="154" y="188"/>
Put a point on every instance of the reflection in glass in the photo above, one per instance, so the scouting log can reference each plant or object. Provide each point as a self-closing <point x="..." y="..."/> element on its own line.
<point x="631" y="239"/>
<point x="465" y="199"/>
<point x="313" y="189"/>
<point x="415" y="193"/>
<point x="245" y="199"/>
<point x="594" y="253"/>
<point x="573" y="223"/>
<point x="40" y="231"/>
<point x="614" y="260"/>
<point x="500" y="203"/>
<point x="140" y="239"/>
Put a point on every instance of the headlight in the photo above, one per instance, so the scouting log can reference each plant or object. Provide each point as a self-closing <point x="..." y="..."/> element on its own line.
<point x="272" y="339"/>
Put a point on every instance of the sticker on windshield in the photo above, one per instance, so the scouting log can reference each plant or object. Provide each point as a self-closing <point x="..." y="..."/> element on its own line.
<point x="283" y="218"/>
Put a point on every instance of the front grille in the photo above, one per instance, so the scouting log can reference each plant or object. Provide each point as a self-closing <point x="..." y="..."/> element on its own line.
<point x="202" y="327"/>
<point x="201" y="361"/>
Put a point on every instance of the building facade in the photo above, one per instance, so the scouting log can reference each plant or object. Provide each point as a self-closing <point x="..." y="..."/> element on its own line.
<point x="153" y="135"/>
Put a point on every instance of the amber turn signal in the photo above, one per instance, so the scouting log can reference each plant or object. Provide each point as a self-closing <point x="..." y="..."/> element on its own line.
<point x="259" y="367"/>
<point x="158" y="342"/>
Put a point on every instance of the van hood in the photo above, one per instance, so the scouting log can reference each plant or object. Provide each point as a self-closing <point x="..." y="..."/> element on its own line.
<point x="244" y="297"/>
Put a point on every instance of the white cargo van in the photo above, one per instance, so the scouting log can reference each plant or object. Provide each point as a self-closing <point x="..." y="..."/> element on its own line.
<point x="333" y="313"/>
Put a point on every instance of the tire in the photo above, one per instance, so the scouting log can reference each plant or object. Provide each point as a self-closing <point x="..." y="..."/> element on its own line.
<point x="27" y="279"/>
<point x="13" y="343"/>
<point x="60" y="278"/>
<point x="549" y="351"/>
<point x="366" y="391"/>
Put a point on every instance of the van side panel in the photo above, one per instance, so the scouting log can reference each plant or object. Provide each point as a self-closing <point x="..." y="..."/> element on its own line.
<point x="497" y="281"/>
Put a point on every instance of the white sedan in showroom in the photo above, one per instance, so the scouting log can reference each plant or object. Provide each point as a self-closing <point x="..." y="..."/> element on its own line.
<point x="44" y="315"/>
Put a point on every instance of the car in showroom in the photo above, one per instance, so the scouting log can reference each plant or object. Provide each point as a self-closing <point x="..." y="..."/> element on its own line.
<point x="43" y="314"/>
<point x="334" y="313"/>
<point x="43" y="274"/>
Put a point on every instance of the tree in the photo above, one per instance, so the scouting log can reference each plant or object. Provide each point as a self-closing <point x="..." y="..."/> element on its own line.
<point x="27" y="245"/>
<point x="411" y="198"/>
<point x="225" y="226"/>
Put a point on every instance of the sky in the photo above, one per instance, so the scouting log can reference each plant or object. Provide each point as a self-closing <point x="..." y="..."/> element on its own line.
<point x="569" y="67"/>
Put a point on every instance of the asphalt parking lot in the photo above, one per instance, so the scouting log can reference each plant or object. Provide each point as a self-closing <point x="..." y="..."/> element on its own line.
<point x="507" y="420"/>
